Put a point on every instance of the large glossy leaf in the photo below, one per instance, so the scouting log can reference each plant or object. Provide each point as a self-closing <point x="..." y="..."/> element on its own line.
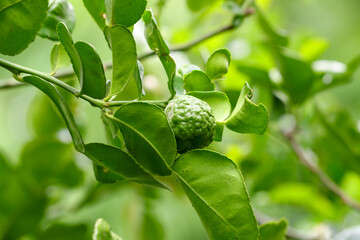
<point x="248" y="117"/>
<point x="119" y="162"/>
<point x="157" y="44"/>
<point x="124" y="12"/>
<point x="61" y="105"/>
<point x="19" y="23"/>
<point x="218" y="101"/>
<point x="97" y="10"/>
<point x="148" y="136"/>
<point x="59" y="57"/>
<point x="124" y="56"/>
<point x="94" y="84"/>
<point x="218" y="64"/>
<point x="198" y="81"/>
<point x="273" y="230"/>
<point x="216" y="189"/>
<point x="102" y="231"/>
<point x="58" y="11"/>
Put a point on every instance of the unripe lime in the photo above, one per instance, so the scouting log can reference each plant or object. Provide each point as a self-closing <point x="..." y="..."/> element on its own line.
<point x="192" y="121"/>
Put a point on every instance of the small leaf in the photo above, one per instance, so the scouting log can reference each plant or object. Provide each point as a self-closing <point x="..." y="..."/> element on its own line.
<point x="124" y="12"/>
<point x="138" y="76"/>
<point x="102" y="231"/>
<point x="157" y="44"/>
<point x="218" y="101"/>
<point x="59" y="57"/>
<point x="179" y="85"/>
<point x="103" y="175"/>
<point x="218" y="64"/>
<point x="273" y="230"/>
<point x="61" y="105"/>
<point x="219" y="131"/>
<point x="247" y="116"/>
<point x="216" y="189"/>
<point x="94" y="84"/>
<point x="124" y="56"/>
<point x="186" y="69"/>
<point x="97" y="10"/>
<point x="119" y="162"/>
<point x="58" y="11"/>
<point x="20" y="21"/>
<point x="66" y="40"/>
<point x="148" y="136"/>
<point x="198" y="81"/>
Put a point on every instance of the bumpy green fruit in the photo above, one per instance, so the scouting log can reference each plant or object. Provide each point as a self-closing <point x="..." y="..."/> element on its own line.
<point x="192" y="121"/>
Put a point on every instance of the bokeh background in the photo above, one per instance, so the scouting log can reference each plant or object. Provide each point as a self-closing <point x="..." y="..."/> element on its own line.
<point x="48" y="191"/>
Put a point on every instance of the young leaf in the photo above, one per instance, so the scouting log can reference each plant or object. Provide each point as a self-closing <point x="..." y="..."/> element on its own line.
<point x="94" y="84"/>
<point x="218" y="101"/>
<point x="119" y="162"/>
<point x="157" y="44"/>
<point x="58" y="11"/>
<point x="273" y="230"/>
<point x="124" y="56"/>
<point x="216" y="189"/>
<point x="138" y="76"/>
<point x="102" y="231"/>
<point x="97" y="10"/>
<point x="179" y="85"/>
<point x="66" y="40"/>
<point x="247" y="116"/>
<point x="218" y="64"/>
<point x="103" y="175"/>
<point x="59" y="57"/>
<point x="148" y="136"/>
<point x="61" y="105"/>
<point x="124" y="12"/>
<point x="198" y="81"/>
<point x="20" y="21"/>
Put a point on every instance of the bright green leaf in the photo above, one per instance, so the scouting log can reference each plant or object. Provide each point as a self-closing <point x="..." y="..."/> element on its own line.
<point x="198" y="4"/>
<point x="198" y="81"/>
<point x="248" y="117"/>
<point x="219" y="131"/>
<point x="218" y="64"/>
<point x="61" y="105"/>
<point x="94" y="84"/>
<point x="313" y="48"/>
<point x="119" y="162"/>
<point x="19" y="23"/>
<point x="124" y="56"/>
<point x="124" y="12"/>
<point x="138" y="76"/>
<point x="179" y="85"/>
<point x="218" y="101"/>
<point x="59" y="57"/>
<point x="58" y="11"/>
<point x="273" y="230"/>
<point x="216" y="189"/>
<point x="186" y="69"/>
<point x="97" y="10"/>
<point x="148" y="136"/>
<point x="102" y="231"/>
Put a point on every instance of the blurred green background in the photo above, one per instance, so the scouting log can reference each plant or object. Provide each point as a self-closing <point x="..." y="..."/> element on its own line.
<point x="47" y="191"/>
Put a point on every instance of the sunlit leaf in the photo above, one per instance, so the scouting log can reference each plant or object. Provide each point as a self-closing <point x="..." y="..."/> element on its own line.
<point x="102" y="231"/>
<point x="97" y="10"/>
<point x="124" y="12"/>
<point x="218" y="64"/>
<point x="273" y="230"/>
<point x="198" y="81"/>
<point x="59" y="57"/>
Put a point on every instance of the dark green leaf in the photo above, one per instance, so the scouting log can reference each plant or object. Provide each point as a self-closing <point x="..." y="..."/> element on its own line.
<point x="124" y="12"/>
<point x="198" y="81"/>
<point x="124" y="56"/>
<point x="61" y="105"/>
<point x="218" y="101"/>
<point x="19" y="23"/>
<point x="248" y="117"/>
<point x="215" y="187"/>
<point x="120" y="163"/>
<point x="61" y="231"/>
<point x="102" y="231"/>
<point x="148" y="136"/>
<point x="157" y="44"/>
<point x="103" y="175"/>
<point x="94" y="84"/>
<point x="273" y="230"/>
<point x="58" y="11"/>
<point x="59" y="57"/>
<point x="218" y="64"/>
<point x="97" y="10"/>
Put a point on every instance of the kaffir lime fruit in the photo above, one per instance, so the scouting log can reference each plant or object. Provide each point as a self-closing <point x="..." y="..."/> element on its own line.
<point x="192" y="121"/>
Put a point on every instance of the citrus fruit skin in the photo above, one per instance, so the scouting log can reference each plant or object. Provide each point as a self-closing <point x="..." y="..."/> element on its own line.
<point x="192" y="122"/>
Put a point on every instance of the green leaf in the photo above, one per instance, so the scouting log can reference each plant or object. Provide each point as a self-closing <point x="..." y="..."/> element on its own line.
<point x="58" y="11"/>
<point x="19" y="23"/>
<point x="151" y="228"/>
<point x="198" y="81"/>
<point x="123" y="47"/>
<point x="102" y="231"/>
<point x="148" y="136"/>
<point x="248" y="117"/>
<point x="138" y="76"/>
<point x="219" y="131"/>
<point x="124" y="12"/>
<point x="157" y="44"/>
<point x="94" y="84"/>
<point x="59" y="57"/>
<point x="59" y="231"/>
<point x="66" y="40"/>
<point x="103" y="175"/>
<point x="61" y="105"/>
<point x="120" y="163"/>
<point x="97" y="10"/>
<point x="218" y="101"/>
<point x="216" y="189"/>
<point x="198" y="4"/>
<point x="186" y="69"/>
<point x="179" y="85"/>
<point x="273" y="230"/>
<point x="218" y="64"/>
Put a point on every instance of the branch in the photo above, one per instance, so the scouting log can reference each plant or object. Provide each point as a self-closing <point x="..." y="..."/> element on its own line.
<point x="295" y="146"/>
